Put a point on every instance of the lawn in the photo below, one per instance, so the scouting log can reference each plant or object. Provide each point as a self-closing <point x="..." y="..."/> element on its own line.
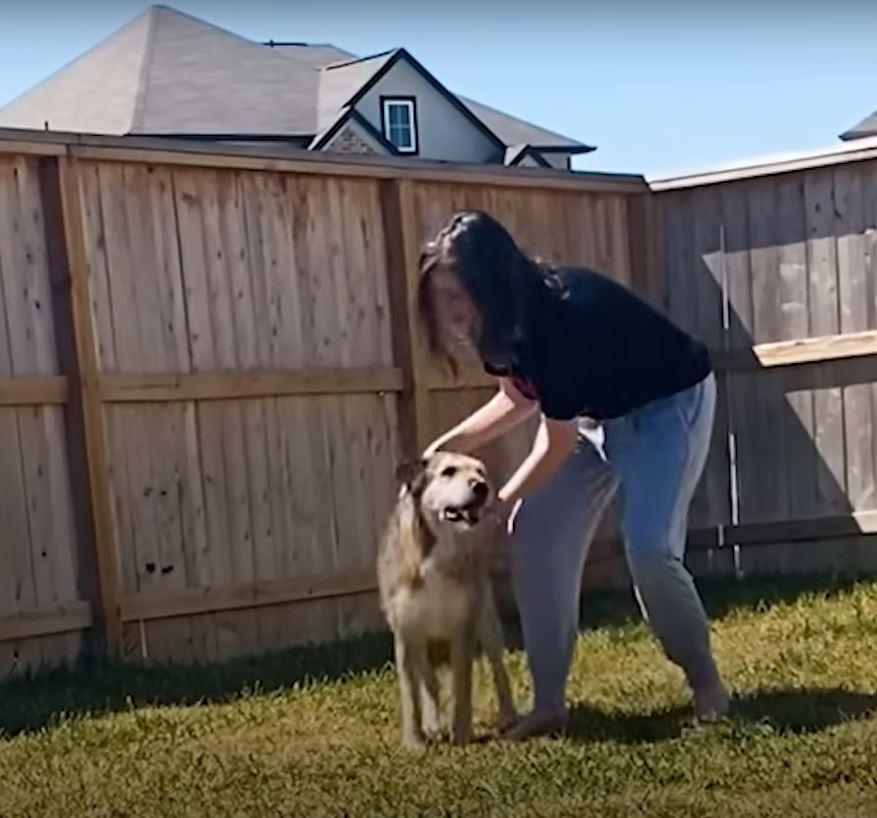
<point x="314" y="732"/>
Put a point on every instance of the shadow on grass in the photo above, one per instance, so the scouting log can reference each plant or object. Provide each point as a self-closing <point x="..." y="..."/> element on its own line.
<point x="30" y="702"/>
<point x="779" y="711"/>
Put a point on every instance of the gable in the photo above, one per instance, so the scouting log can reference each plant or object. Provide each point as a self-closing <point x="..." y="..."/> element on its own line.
<point x="353" y="137"/>
<point x="528" y="161"/>
<point x="444" y="132"/>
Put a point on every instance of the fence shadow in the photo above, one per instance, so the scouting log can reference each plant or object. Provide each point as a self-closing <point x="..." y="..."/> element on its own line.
<point x="30" y="702"/>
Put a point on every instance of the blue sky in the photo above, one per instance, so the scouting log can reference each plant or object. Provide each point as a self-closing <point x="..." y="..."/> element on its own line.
<point x="657" y="86"/>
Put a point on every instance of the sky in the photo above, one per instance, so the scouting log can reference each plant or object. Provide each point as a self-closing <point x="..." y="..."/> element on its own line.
<point x="659" y="86"/>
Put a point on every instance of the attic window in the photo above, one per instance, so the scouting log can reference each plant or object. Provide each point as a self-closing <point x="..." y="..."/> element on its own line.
<point x="399" y="117"/>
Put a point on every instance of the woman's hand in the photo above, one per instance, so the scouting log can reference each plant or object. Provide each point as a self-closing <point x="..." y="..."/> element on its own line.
<point x="433" y="447"/>
<point x="500" y="513"/>
<point x="505" y="410"/>
<point x="555" y="442"/>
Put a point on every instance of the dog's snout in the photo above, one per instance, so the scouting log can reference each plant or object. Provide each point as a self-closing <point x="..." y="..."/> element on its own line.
<point x="479" y="487"/>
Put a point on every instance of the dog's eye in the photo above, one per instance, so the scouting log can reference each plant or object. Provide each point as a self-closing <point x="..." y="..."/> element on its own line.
<point x="449" y="471"/>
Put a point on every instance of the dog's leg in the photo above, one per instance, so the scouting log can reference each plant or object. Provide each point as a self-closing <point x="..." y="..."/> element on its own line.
<point x="462" y="656"/>
<point x="432" y="714"/>
<point x="408" y="671"/>
<point x="491" y="638"/>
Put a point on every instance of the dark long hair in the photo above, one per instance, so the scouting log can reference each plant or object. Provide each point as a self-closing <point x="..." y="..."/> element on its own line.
<point x="496" y="274"/>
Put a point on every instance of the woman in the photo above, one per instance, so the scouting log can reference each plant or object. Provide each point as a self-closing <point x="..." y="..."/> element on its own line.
<point x="584" y="352"/>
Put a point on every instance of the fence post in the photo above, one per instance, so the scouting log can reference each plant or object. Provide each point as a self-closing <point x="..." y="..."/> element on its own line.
<point x="65" y="342"/>
<point x="400" y="236"/>
<point x="61" y="181"/>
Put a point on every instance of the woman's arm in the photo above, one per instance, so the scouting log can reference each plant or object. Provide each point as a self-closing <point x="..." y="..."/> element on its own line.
<point x="554" y="443"/>
<point x="505" y="410"/>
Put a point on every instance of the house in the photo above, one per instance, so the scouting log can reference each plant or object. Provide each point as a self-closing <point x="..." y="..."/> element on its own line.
<point x="867" y="127"/>
<point x="167" y="74"/>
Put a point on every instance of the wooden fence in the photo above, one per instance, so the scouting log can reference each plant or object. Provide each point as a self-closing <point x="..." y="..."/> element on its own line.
<point x="775" y="267"/>
<point x="208" y="369"/>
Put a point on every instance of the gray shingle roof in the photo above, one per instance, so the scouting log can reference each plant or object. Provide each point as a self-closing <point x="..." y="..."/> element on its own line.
<point x="168" y="73"/>
<point x="199" y="79"/>
<point x="514" y="131"/>
<point x="316" y="55"/>
<point x="338" y="83"/>
<point x="97" y="92"/>
<point x="867" y="127"/>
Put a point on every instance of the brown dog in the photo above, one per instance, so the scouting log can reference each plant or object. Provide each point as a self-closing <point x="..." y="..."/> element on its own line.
<point x="436" y="593"/>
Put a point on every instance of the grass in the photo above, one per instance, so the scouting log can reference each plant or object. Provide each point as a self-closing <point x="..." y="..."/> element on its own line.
<point x="314" y="732"/>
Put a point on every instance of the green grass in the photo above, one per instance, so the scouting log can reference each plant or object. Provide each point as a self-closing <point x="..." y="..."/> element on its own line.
<point x="314" y="732"/>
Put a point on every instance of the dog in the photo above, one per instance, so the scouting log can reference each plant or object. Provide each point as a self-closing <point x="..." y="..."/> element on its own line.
<point x="436" y="594"/>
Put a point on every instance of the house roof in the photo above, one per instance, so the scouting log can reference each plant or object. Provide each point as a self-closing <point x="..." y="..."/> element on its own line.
<point x="317" y="55"/>
<point x="167" y="73"/>
<point x="340" y="83"/>
<point x="514" y="131"/>
<point x="867" y="127"/>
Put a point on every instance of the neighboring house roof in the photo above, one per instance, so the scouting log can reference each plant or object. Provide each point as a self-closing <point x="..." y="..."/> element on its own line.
<point x="317" y="55"/>
<point x="514" y="131"/>
<point x="867" y="127"/>
<point x="340" y="83"/>
<point x="167" y="73"/>
<point x="96" y="92"/>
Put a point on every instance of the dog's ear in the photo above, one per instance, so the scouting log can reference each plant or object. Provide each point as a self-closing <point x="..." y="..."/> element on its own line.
<point x="409" y="472"/>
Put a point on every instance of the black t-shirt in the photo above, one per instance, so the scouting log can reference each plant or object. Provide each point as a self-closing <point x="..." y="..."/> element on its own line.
<point x="591" y="347"/>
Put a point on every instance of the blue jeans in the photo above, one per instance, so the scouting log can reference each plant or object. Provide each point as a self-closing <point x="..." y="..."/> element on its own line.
<point x="656" y="455"/>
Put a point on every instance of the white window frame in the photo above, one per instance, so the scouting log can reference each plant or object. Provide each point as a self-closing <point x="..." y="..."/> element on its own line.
<point x="388" y="103"/>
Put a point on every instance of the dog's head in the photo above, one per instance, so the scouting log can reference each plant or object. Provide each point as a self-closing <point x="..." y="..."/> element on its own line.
<point x="449" y="489"/>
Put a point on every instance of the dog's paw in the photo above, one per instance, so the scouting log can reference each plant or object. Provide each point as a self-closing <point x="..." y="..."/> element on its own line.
<point x="414" y="743"/>
<point x="435" y="732"/>
<point x="461" y="736"/>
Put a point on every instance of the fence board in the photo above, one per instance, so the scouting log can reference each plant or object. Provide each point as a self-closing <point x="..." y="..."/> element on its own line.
<point x="711" y="502"/>
<point x="853" y="292"/>
<point x="869" y="218"/>
<point x="824" y="319"/>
